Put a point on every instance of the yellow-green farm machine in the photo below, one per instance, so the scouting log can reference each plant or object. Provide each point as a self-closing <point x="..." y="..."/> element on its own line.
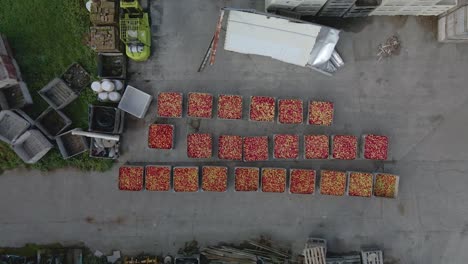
<point x="135" y="30"/>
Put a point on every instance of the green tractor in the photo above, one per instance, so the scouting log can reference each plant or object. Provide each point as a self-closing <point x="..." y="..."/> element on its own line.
<point x="135" y="30"/>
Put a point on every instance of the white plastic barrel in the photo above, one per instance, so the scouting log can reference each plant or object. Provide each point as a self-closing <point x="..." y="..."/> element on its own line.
<point x="88" y="5"/>
<point x="104" y="96"/>
<point x="118" y="85"/>
<point x="96" y="87"/>
<point x="107" y="86"/>
<point x="114" y="96"/>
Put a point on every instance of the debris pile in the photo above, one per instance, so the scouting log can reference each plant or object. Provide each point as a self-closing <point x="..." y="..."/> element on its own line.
<point x="390" y="47"/>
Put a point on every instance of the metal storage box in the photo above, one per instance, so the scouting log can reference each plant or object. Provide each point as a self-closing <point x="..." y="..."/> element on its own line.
<point x="32" y="146"/>
<point x="71" y="145"/>
<point x="57" y="94"/>
<point x="8" y="72"/>
<point x="135" y="102"/>
<point x="15" y="97"/>
<point x="112" y="65"/>
<point x="112" y="152"/>
<point x="12" y="126"/>
<point x="76" y="77"/>
<point x="104" y="119"/>
<point x="105" y="151"/>
<point x="5" y="49"/>
<point x="52" y="122"/>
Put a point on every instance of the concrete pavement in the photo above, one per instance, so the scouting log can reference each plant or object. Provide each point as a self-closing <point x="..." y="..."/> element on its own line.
<point x="418" y="98"/>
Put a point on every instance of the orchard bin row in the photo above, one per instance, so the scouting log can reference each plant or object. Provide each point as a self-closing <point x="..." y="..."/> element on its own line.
<point x="165" y="178"/>
<point x="257" y="148"/>
<point x="285" y="146"/>
<point x="262" y="108"/>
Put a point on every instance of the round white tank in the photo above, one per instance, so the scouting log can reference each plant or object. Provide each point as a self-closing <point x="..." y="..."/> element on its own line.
<point x="114" y="96"/>
<point x="103" y="96"/>
<point x="118" y="85"/>
<point x="107" y="86"/>
<point x="96" y="87"/>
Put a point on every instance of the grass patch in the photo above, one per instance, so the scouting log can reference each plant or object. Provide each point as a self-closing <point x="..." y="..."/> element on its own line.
<point x="28" y="250"/>
<point x="46" y="37"/>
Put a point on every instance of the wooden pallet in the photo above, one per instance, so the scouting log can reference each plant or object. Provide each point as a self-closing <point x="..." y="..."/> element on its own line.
<point x="372" y="257"/>
<point x="315" y="255"/>
<point x="141" y="260"/>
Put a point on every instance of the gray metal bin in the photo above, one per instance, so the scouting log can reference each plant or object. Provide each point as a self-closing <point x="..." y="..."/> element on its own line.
<point x="71" y="145"/>
<point x="112" y="65"/>
<point x="99" y="149"/>
<point x="12" y="126"/>
<point x="135" y="102"/>
<point x="32" y="146"/>
<point x="52" y="122"/>
<point x="76" y="77"/>
<point x="57" y="94"/>
<point x="104" y="119"/>
<point x="15" y="97"/>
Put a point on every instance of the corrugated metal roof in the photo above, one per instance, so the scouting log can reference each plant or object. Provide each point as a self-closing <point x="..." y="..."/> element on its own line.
<point x="274" y="37"/>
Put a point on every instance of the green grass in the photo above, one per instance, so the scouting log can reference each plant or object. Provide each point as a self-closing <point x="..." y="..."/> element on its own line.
<point x="46" y="37"/>
<point x="28" y="250"/>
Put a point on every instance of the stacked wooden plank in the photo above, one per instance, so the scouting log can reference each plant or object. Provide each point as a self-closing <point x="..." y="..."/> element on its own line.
<point x="453" y="27"/>
<point x="103" y="13"/>
<point x="104" y="38"/>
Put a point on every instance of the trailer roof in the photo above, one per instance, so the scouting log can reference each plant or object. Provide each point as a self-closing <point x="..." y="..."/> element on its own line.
<point x="274" y="37"/>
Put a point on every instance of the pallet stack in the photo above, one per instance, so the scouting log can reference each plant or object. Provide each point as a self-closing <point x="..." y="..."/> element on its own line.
<point x="104" y="39"/>
<point x="104" y="34"/>
<point x="296" y="7"/>
<point x="310" y="7"/>
<point x="413" y="7"/>
<point x="453" y="27"/>
<point x="273" y="5"/>
<point x="362" y="8"/>
<point x="336" y="8"/>
<point x="358" y="8"/>
<point x="104" y="13"/>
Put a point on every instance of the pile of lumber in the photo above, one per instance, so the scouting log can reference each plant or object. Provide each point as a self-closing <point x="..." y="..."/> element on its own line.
<point x="248" y="253"/>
